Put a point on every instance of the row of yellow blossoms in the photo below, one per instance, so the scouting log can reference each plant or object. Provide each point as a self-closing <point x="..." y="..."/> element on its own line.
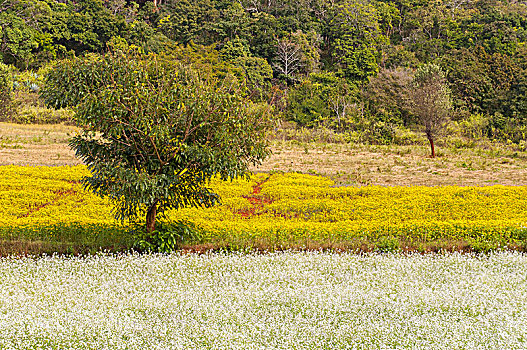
<point x="283" y="206"/>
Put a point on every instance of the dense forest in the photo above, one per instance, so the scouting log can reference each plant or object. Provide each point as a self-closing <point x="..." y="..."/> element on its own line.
<point x="346" y="65"/>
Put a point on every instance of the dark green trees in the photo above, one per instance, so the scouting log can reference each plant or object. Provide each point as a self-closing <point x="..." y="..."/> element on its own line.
<point x="281" y="48"/>
<point x="355" y="30"/>
<point x="155" y="131"/>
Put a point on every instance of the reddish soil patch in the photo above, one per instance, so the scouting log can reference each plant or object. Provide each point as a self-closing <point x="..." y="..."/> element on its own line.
<point x="59" y="194"/>
<point x="257" y="201"/>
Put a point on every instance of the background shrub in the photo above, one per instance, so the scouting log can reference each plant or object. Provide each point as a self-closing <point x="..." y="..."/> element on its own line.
<point x="6" y="92"/>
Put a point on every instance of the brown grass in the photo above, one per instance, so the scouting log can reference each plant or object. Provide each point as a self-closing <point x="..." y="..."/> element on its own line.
<point x="401" y="165"/>
<point x="359" y="245"/>
<point x="36" y="144"/>
<point x="348" y="164"/>
<point x="30" y="247"/>
<point x="37" y="248"/>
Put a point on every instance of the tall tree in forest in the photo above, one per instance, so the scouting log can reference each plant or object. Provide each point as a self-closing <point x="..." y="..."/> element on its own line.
<point x="356" y="38"/>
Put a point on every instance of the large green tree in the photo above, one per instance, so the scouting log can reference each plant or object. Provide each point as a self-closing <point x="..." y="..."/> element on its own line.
<point x="156" y="131"/>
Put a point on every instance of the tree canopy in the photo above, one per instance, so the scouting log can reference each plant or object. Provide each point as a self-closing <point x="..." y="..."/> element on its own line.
<point x="430" y="100"/>
<point x="155" y="131"/>
<point x="284" y="45"/>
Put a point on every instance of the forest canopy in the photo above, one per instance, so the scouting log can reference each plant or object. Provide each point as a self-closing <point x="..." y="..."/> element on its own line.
<point x="344" y="64"/>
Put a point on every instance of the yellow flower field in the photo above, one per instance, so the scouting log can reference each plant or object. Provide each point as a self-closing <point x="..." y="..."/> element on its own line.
<point x="284" y="206"/>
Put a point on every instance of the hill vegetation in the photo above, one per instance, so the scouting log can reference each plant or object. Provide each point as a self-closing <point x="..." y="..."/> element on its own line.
<point x="347" y="65"/>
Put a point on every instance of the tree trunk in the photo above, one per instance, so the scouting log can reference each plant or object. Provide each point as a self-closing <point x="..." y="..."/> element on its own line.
<point x="432" y="147"/>
<point x="151" y="218"/>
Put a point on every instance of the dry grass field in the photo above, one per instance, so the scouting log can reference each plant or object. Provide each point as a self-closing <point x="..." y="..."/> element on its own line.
<point x="36" y="144"/>
<point x="401" y="165"/>
<point x="348" y="164"/>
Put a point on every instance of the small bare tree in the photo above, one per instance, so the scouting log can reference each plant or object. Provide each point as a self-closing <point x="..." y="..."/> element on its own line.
<point x="430" y="101"/>
<point x="343" y="105"/>
<point x="288" y="58"/>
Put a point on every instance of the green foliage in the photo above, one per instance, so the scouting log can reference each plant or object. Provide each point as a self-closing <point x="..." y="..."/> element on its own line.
<point x="490" y="84"/>
<point x="388" y="244"/>
<point x="357" y="36"/>
<point x="41" y="115"/>
<point x="64" y="238"/>
<point x="233" y="61"/>
<point x="117" y="43"/>
<point x="309" y="45"/>
<point x="481" y="44"/>
<point x="257" y="74"/>
<point x="372" y="131"/>
<point x="187" y="21"/>
<point x="206" y="59"/>
<point x="472" y="87"/>
<point x="386" y="96"/>
<point x="167" y="237"/>
<point x="67" y="85"/>
<point x="31" y="81"/>
<point x="323" y="98"/>
<point x="254" y="71"/>
<point x="6" y="92"/>
<point x="327" y="101"/>
<point x="308" y="103"/>
<point x="234" y="49"/>
<point x="19" y="34"/>
<point x="506" y="129"/>
<point x="89" y="26"/>
<point x="260" y="35"/>
<point x="156" y="131"/>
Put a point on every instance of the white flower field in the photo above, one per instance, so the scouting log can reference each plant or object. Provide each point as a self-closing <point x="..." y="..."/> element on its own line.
<point x="268" y="301"/>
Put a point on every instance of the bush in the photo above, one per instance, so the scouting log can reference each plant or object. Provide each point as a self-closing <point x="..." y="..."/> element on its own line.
<point x="64" y="238"/>
<point x="31" y="81"/>
<point x="307" y="105"/>
<point x="41" y="115"/>
<point x="166" y="237"/>
<point x="405" y="136"/>
<point x="388" y="244"/>
<point x="506" y="129"/>
<point x="376" y="132"/>
<point x="6" y="92"/>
